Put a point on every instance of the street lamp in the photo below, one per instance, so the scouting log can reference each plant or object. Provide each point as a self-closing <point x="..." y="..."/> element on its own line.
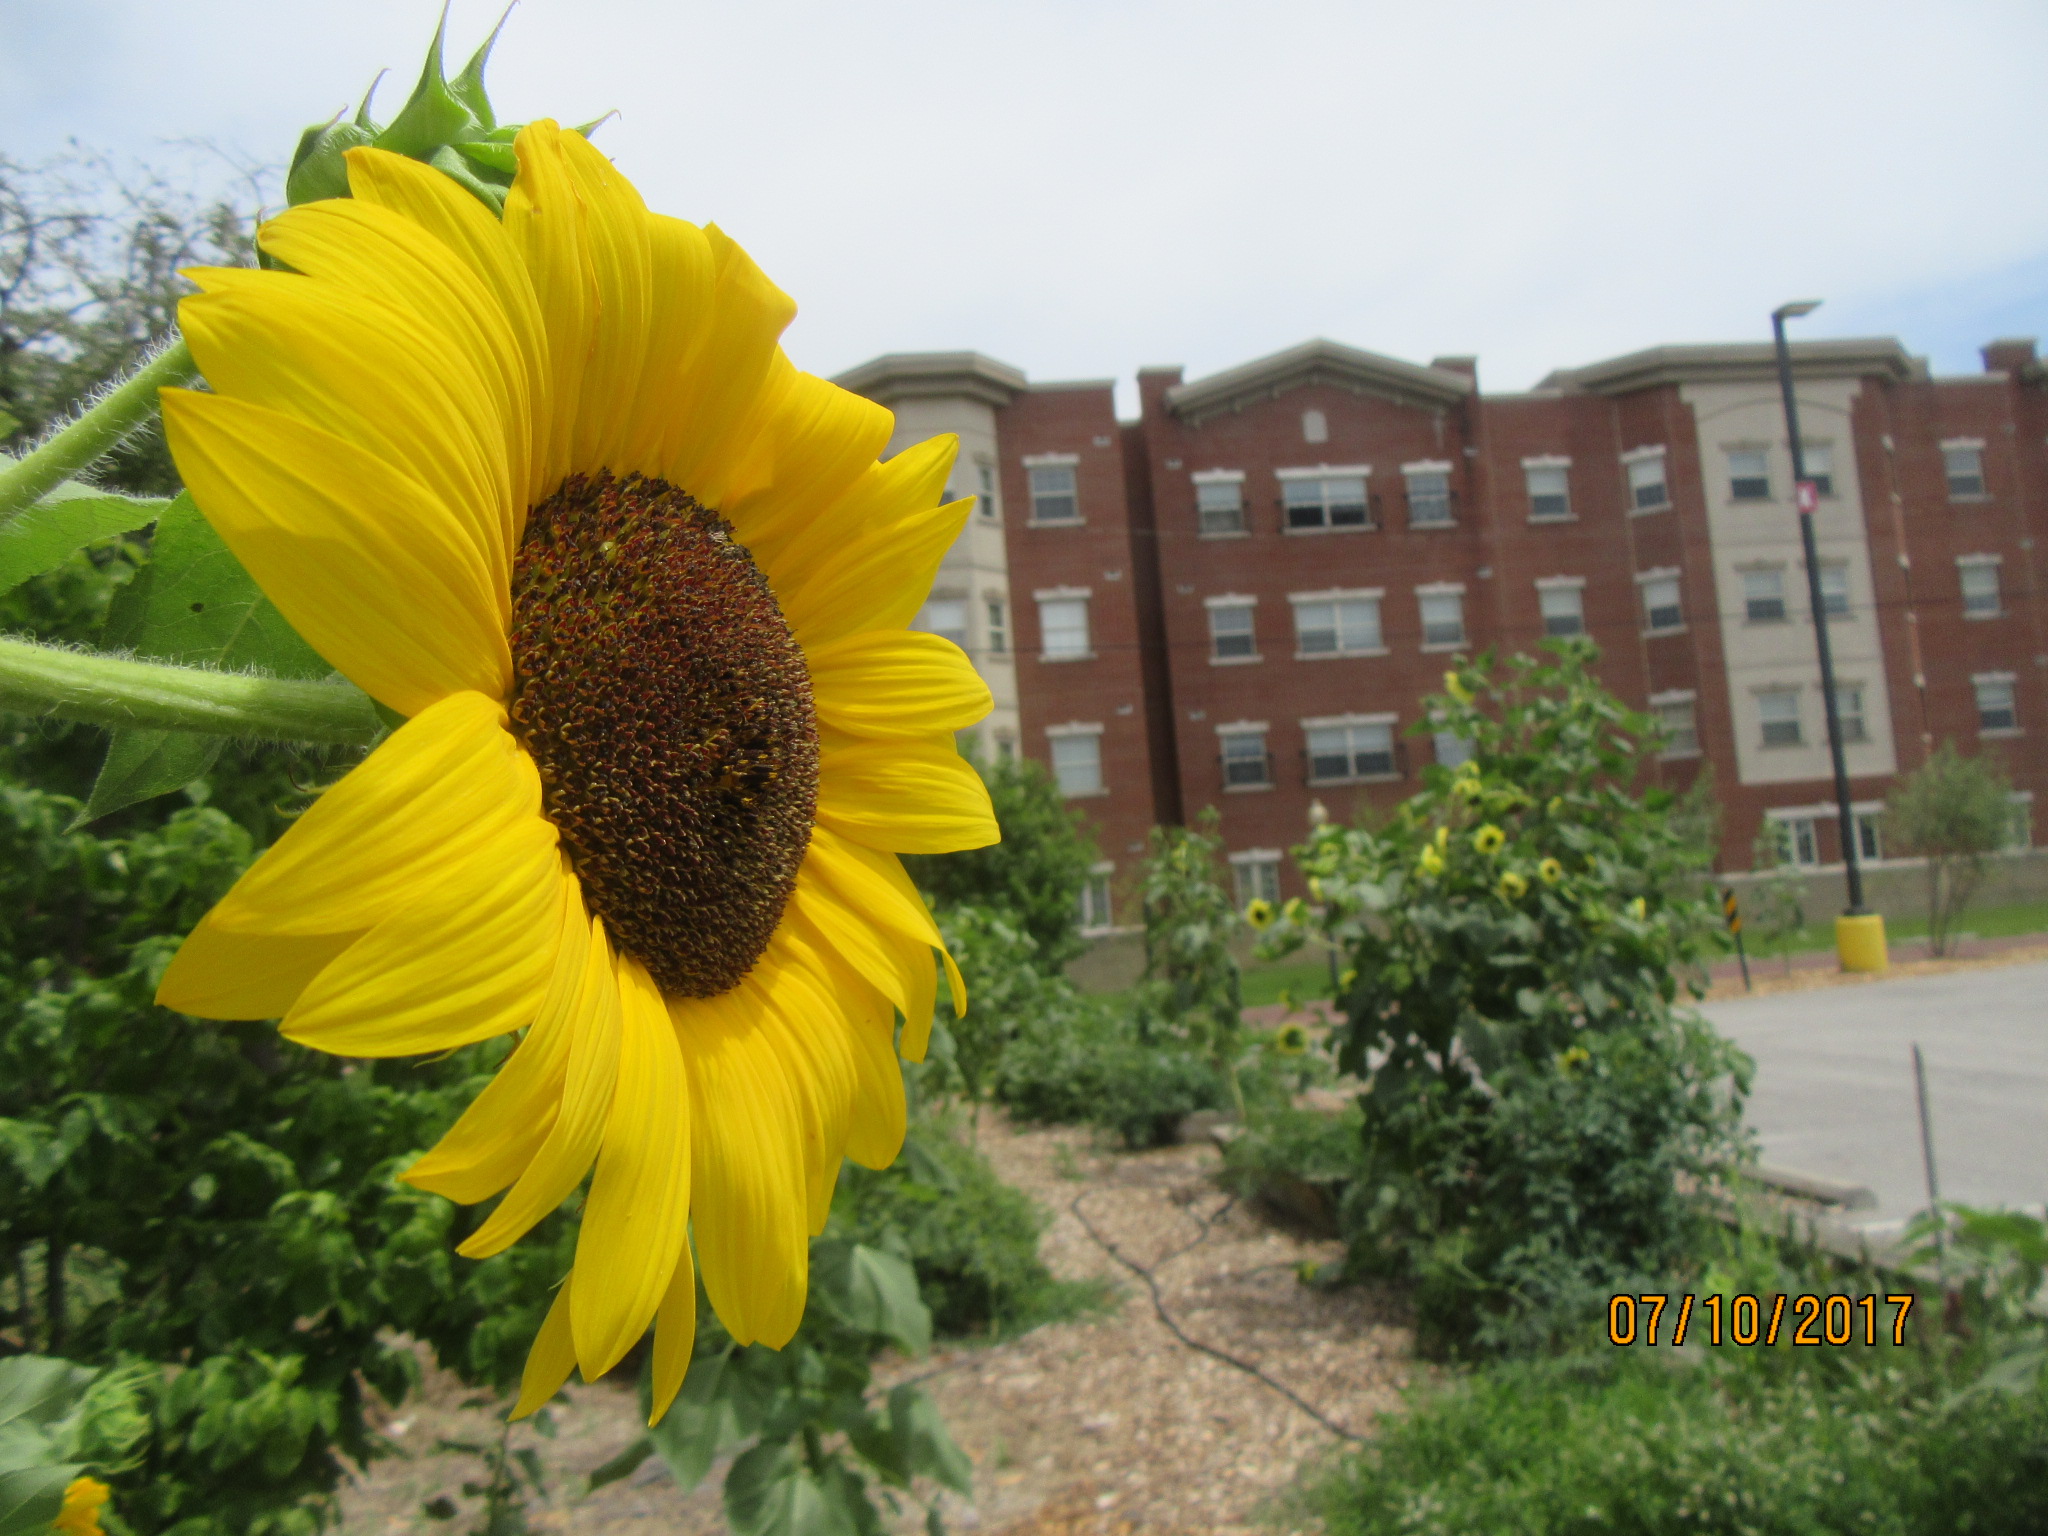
<point x="1859" y="933"/>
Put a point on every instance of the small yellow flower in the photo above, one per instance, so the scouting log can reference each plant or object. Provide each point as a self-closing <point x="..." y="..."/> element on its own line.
<point x="1469" y="788"/>
<point x="1576" y="1057"/>
<point x="1488" y="839"/>
<point x="1556" y="804"/>
<point x="1512" y="886"/>
<point x="1431" y="862"/>
<point x="1290" y="1040"/>
<point x="1551" y="871"/>
<point x="1638" y="909"/>
<point x="1454" y="685"/>
<point x="1315" y="889"/>
<point x="81" y="1513"/>
<point x="1259" y="913"/>
<point x="1345" y="981"/>
<point x="1294" y="909"/>
<point x="1443" y="840"/>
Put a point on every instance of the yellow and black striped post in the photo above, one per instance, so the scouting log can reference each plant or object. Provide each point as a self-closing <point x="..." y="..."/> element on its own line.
<point x="1733" y="912"/>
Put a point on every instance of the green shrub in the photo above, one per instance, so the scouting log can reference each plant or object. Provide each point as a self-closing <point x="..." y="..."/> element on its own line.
<point x="1091" y="1063"/>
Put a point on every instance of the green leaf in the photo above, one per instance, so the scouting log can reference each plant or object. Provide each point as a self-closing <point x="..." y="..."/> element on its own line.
<point x="40" y="1392"/>
<point x="64" y="522"/>
<point x="874" y="1291"/>
<point x="9" y="422"/>
<point x="770" y="1492"/>
<point x="32" y="1497"/>
<point x="140" y="765"/>
<point x="623" y="1465"/>
<point x="433" y="115"/>
<point x="701" y="1422"/>
<point x="925" y="1448"/>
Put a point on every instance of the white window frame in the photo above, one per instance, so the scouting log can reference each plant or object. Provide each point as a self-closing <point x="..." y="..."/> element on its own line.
<point x="2010" y="681"/>
<point x="959" y="636"/>
<point x="1388" y="722"/>
<point x="1865" y="815"/>
<point x="1673" y="698"/>
<point x="1443" y="589"/>
<point x="1750" y="599"/>
<point x="1325" y="472"/>
<point x="1315" y="425"/>
<point x="1071" y="461"/>
<point x="1072" y="730"/>
<point x="1657" y="451"/>
<point x="1798" y="722"/>
<point x="1758" y="450"/>
<point x="1848" y="609"/>
<point x="2019" y="837"/>
<point x="1576" y="585"/>
<point x="1409" y="472"/>
<point x="1824" y="482"/>
<point x="1549" y="461"/>
<point x="1949" y="476"/>
<point x="1094" y="923"/>
<point x="995" y="612"/>
<point x="991" y="506"/>
<point x="1661" y="573"/>
<point x="1862" y="712"/>
<point x="1234" y="477"/>
<point x="1232" y="602"/>
<point x="1968" y="563"/>
<point x="1245" y="730"/>
<point x="1336" y="596"/>
<point x="1081" y="595"/>
<point x="1247" y="886"/>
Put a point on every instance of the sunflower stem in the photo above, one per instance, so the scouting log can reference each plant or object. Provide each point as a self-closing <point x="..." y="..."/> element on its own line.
<point x="119" y="692"/>
<point x="96" y="432"/>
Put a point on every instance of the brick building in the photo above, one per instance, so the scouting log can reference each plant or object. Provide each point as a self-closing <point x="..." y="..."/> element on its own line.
<point x="1241" y="598"/>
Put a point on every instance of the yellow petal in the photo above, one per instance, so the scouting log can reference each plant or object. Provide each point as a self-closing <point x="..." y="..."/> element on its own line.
<point x="799" y="1016"/>
<point x="896" y="684"/>
<point x="813" y="451"/>
<point x="854" y="887"/>
<point x="747" y="1179"/>
<point x="635" y="1220"/>
<point x="675" y="1335"/>
<point x="616" y="249"/>
<point x="378" y="577"/>
<point x="438" y="793"/>
<point x="551" y="1359"/>
<point x="589" y="1083"/>
<point x="498" y="1135"/>
<point x="681" y="275"/>
<point x="218" y="973"/>
<point x="905" y="797"/>
<point x="381" y="378"/>
<point x="545" y="222"/>
<point x="870" y="514"/>
<point x="437" y="206"/>
<point x="875" y="1123"/>
<point x="469" y="959"/>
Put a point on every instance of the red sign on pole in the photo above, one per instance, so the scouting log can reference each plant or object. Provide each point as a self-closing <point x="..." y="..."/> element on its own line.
<point x="1807" y="498"/>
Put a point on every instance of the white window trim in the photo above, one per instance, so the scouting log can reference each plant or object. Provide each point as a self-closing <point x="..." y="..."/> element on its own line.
<point x="1050" y="460"/>
<point x="1427" y="467"/>
<point x="1076" y="728"/>
<point x="1340" y="595"/>
<point x="1980" y="559"/>
<point x="1559" y="583"/>
<point x="1061" y="594"/>
<point x="1322" y="471"/>
<point x="1547" y="461"/>
<point x="1441" y="589"/>
<point x="1225" y="601"/>
<point x="1230" y="600"/>
<point x="1255" y="856"/>
<point x="1962" y="442"/>
<point x="1243" y="728"/>
<point x="1217" y="477"/>
<point x="1993" y="677"/>
<point x="1657" y="573"/>
<point x="1674" y="696"/>
<point x="1638" y="455"/>
<point x="1333" y="722"/>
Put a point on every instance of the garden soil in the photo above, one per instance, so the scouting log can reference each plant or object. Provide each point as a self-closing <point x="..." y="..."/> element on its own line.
<point x="1105" y="1425"/>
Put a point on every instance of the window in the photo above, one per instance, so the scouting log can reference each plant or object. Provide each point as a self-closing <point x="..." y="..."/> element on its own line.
<point x="2019" y="828"/>
<point x="1335" y="501"/>
<point x="1230" y="631"/>
<point x="998" y="625"/>
<point x="946" y="618"/>
<point x="1834" y="590"/>
<point x="1849" y="712"/>
<point x="1256" y="875"/>
<point x="1997" y="702"/>
<point x="1963" y="463"/>
<point x="1763" y="596"/>
<point x="1550" y="497"/>
<point x="1246" y="763"/>
<point x="1443" y="618"/>
<point x="1063" y="628"/>
<point x="1749" y="474"/>
<point x="1820" y="466"/>
<point x="1798" y="841"/>
<point x="1006" y="748"/>
<point x="1680" y="726"/>
<point x="1646" y="488"/>
<point x="1564" y="609"/>
<point x="1869" y="835"/>
<point x="1661" y="610"/>
<point x="1980" y="586"/>
<point x="1452" y="750"/>
<point x="1778" y="712"/>
<point x="1343" y="749"/>
<point x="1077" y="759"/>
<point x="1337" y="626"/>
<point x="1315" y="427"/>
<point x="1219" y="505"/>
<point x="988" y="489"/>
<point x="1429" y="495"/>
<point x="1096" y="915"/>
<point x="1055" y="494"/>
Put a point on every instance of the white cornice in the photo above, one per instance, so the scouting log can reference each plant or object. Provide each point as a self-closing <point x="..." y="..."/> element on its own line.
<point x="934" y="376"/>
<point x="1318" y="362"/>
<point x="1748" y="362"/>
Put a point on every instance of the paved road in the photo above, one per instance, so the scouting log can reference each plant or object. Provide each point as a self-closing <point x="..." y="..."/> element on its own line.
<point x="1834" y="1085"/>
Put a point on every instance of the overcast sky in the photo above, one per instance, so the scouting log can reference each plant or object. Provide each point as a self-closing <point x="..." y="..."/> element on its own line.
<point x="1082" y="189"/>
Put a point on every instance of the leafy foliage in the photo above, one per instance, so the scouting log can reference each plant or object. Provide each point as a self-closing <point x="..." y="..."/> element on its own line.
<point x="1954" y="811"/>
<point x="58" y="1421"/>
<point x="1514" y="936"/>
<point x="1195" y="989"/>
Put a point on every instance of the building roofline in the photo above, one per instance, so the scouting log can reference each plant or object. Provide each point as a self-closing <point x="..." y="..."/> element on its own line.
<point x="1737" y="361"/>
<point x="1318" y="362"/>
<point x="934" y="375"/>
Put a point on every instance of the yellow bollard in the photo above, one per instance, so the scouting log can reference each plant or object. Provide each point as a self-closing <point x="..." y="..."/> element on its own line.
<point x="1859" y="941"/>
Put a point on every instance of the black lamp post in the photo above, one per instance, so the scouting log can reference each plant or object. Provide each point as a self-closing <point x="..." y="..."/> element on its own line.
<point x="1806" y="497"/>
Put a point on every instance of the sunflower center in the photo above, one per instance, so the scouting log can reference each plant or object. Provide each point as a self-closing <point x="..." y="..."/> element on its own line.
<point x="658" y="689"/>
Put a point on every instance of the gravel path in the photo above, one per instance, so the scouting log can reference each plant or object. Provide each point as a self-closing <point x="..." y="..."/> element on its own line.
<point x="1107" y="1425"/>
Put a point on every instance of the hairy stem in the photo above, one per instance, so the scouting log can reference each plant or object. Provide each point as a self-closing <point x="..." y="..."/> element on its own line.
<point x="117" y="692"/>
<point x="94" y="434"/>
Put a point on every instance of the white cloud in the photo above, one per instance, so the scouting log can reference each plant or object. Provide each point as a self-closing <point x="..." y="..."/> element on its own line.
<point x="1085" y="188"/>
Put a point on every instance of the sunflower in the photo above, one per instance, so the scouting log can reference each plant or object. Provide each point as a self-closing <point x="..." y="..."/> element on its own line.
<point x="1259" y="913"/>
<point x="1488" y="839"/>
<point x="1512" y="886"/>
<point x="80" y="1516"/>
<point x="548" y="489"/>
<point x="1551" y="871"/>
<point x="1291" y="1040"/>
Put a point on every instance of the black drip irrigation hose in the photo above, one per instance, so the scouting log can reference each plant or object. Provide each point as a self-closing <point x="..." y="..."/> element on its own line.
<point x="1159" y="1306"/>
